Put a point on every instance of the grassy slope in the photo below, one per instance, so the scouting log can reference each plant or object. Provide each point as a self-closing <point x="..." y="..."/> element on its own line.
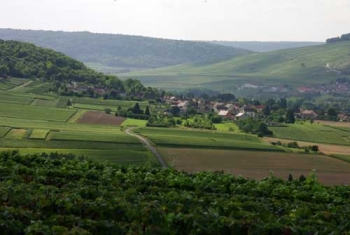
<point x="278" y="67"/>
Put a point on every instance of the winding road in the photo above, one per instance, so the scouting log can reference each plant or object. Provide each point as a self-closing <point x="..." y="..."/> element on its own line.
<point x="148" y="145"/>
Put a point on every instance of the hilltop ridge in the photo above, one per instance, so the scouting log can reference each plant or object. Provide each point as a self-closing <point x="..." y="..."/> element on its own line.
<point x="124" y="52"/>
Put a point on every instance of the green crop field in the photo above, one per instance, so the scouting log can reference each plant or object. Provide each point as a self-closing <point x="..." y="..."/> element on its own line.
<point x="342" y="157"/>
<point x="39" y="134"/>
<point x="313" y="133"/>
<point x="204" y="139"/>
<point x="94" y="107"/>
<point x="16" y="134"/>
<point x="121" y="156"/>
<point x="227" y="126"/>
<point x="35" y="123"/>
<point x="4" y="130"/>
<point x="115" y="137"/>
<point x="45" y="103"/>
<point x="6" y="84"/>
<point x="35" y="112"/>
<point x="108" y="103"/>
<point x="134" y="122"/>
<point x="76" y="116"/>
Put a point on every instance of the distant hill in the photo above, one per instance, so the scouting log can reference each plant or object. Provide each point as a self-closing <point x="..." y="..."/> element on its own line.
<point x="264" y="46"/>
<point x="103" y="51"/>
<point x="294" y="67"/>
<point x="25" y="60"/>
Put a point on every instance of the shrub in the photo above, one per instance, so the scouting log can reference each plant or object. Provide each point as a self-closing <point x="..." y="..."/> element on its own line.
<point x="293" y="145"/>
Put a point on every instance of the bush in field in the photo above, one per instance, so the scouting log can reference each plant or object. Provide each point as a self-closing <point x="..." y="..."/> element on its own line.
<point x="108" y="111"/>
<point x="200" y="122"/>
<point x="253" y="126"/>
<point x="293" y="145"/>
<point x="155" y="121"/>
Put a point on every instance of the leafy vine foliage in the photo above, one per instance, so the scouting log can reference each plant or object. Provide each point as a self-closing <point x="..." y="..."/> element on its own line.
<point x="64" y="194"/>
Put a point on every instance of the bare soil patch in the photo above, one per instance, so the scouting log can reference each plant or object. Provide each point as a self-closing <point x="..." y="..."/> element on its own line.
<point x="329" y="123"/>
<point x="95" y="117"/>
<point x="258" y="165"/>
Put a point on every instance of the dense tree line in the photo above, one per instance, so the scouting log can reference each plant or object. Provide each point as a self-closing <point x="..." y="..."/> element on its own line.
<point x="124" y="51"/>
<point x="342" y="38"/>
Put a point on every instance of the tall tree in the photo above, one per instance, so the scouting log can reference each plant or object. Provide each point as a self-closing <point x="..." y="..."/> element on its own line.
<point x="283" y="103"/>
<point x="332" y="112"/>
<point x="137" y="109"/>
<point x="267" y="111"/>
<point x="290" y="118"/>
<point x="147" y="112"/>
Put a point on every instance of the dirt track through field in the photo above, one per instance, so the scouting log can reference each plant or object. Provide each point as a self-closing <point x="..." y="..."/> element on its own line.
<point x="324" y="148"/>
<point x="96" y="117"/>
<point x="148" y="145"/>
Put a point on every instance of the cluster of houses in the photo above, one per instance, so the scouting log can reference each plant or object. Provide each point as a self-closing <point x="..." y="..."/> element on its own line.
<point x="228" y="111"/>
<point x="339" y="88"/>
<point x="235" y="111"/>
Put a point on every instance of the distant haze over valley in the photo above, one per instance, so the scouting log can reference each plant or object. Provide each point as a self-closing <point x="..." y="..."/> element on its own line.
<point x="115" y="53"/>
<point x="118" y="53"/>
<point x="259" y="46"/>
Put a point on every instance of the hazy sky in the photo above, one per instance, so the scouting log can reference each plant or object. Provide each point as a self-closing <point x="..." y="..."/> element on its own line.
<point x="236" y="20"/>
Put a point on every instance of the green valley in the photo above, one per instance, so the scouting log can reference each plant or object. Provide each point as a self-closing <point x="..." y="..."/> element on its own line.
<point x="292" y="67"/>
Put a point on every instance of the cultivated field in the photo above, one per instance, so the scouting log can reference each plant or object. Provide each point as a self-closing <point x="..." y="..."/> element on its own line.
<point x="4" y="131"/>
<point x="35" y="112"/>
<point x="94" y="117"/>
<point x="323" y="148"/>
<point x="6" y="84"/>
<point x="317" y="133"/>
<point x="134" y="122"/>
<point x="257" y="164"/>
<point x="33" y="123"/>
<point x="39" y="134"/>
<point x="205" y="139"/>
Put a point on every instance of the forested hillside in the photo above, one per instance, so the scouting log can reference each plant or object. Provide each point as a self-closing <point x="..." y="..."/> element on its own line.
<point x="63" y="194"/>
<point x="122" y="51"/>
<point x="25" y="60"/>
<point x="264" y="46"/>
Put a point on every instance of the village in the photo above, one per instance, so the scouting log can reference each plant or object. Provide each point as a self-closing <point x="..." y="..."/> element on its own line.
<point x="167" y="104"/>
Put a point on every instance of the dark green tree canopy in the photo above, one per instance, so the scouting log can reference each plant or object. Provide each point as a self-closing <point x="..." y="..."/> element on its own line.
<point x="26" y="60"/>
<point x="290" y="118"/>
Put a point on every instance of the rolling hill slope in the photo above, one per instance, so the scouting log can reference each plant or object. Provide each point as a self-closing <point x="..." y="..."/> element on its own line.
<point x="295" y="67"/>
<point x="110" y="53"/>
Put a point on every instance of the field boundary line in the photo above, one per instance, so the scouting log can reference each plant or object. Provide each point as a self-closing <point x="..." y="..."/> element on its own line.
<point x="71" y="116"/>
<point x="148" y="145"/>
<point x="5" y="134"/>
<point x="20" y="86"/>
